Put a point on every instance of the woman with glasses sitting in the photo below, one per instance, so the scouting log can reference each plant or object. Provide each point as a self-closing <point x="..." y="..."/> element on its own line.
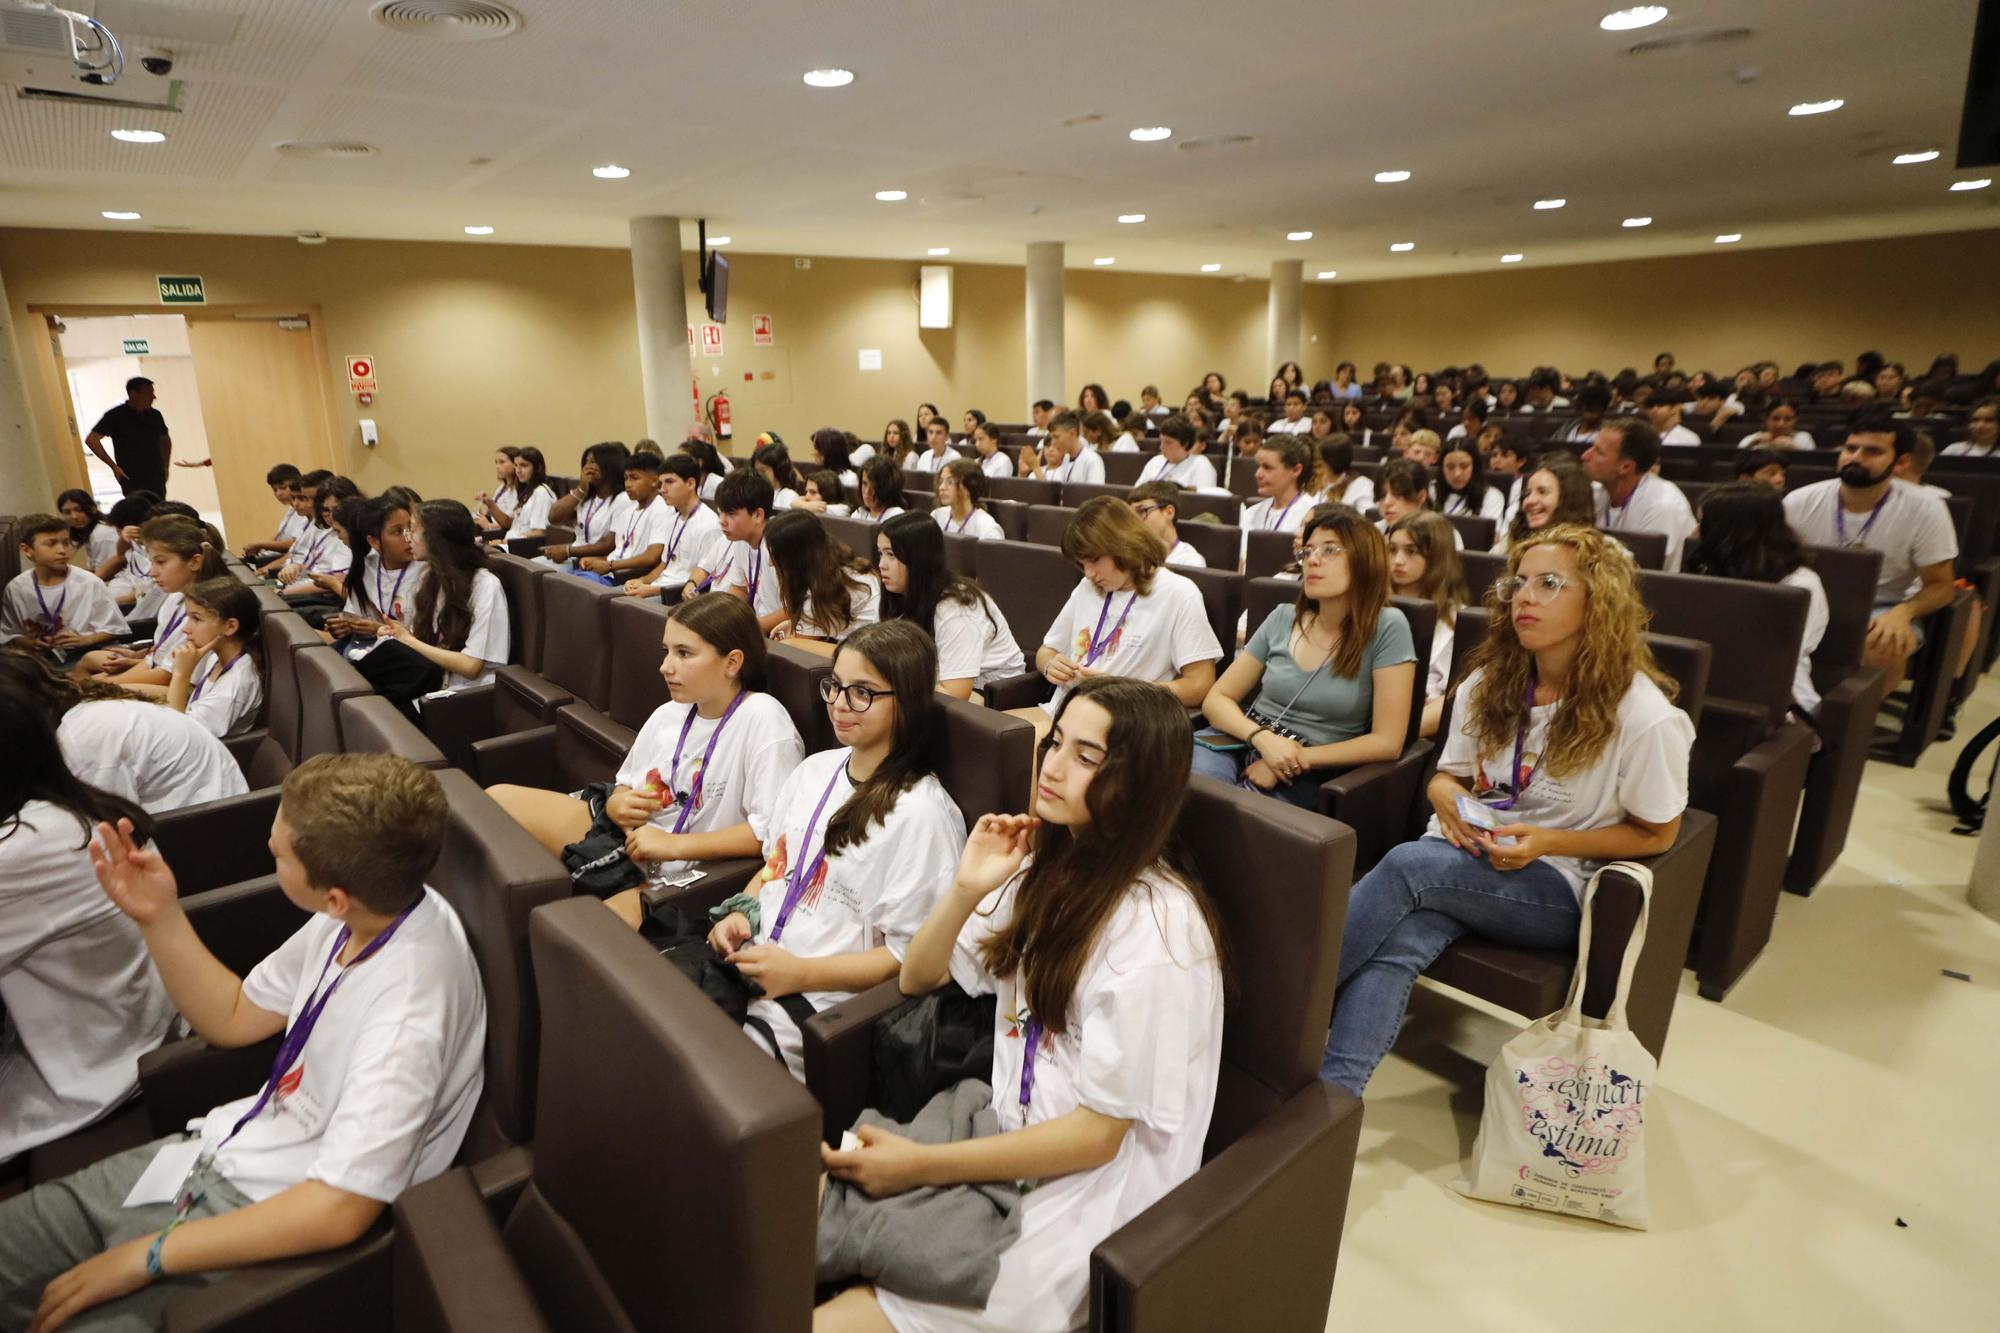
<point x="1332" y="675"/>
<point x="1564" y="751"/>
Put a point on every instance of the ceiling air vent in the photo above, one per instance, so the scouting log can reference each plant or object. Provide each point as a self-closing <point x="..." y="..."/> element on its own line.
<point x="449" y="20"/>
<point x="1200" y="142"/>
<point x="1687" y="39"/>
<point x="325" y="148"/>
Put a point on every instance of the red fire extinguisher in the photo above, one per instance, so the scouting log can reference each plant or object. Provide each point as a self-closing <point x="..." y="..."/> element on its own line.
<point x="718" y="415"/>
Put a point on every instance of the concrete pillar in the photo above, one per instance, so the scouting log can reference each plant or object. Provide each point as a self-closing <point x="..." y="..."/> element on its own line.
<point x="25" y="486"/>
<point x="660" y="293"/>
<point x="1282" y="331"/>
<point x="1045" y="322"/>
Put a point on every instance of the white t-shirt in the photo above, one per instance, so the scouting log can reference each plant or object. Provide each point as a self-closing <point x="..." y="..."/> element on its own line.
<point x="1911" y="530"/>
<point x="750" y="568"/>
<point x="1679" y="435"/>
<point x="1798" y="439"/>
<point x="865" y="608"/>
<point x="929" y="461"/>
<point x="228" y="703"/>
<point x="1303" y="426"/>
<point x="1193" y="473"/>
<point x="1086" y="468"/>
<point x="294" y="525"/>
<point x="1655" y="505"/>
<point x="487" y="639"/>
<point x="694" y="542"/>
<point x="82" y="999"/>
<point x="136" y="581"/>
<point x="1358" y="493"/>
<point x="709" y="485"/>
<point x="880" y="518"/>
<point x="507" y="499"/>
<point x="866" y="896"/>
<point x="1269" y="516"/>
<point x="1151" y="636"/>
<point x="997" y="464"/>
<point x="860" y="455"/>
<point x="170" y="628"/>
<point x="384" y="594"/>
<point x="978" y="524"/>
<point x="1186" y="557"/>
<point x="641" y="529"/>
<point x="783" y="498"/>
<point x="82" y="604"/>
<point x="1125" y="444"/>
<point x="148" y="753"/>
<point x="1492" y="504"/>
<point x="1967" y="449"/>
<point x="1438" y="680"/>
<point x="596" y="516"/>
<point x="974" y="642"/>
<point x="1643" y="771"/>
<point x="740" y="783"/>
<point x="100" y="545"/>
<point x="382" y="1095"/>
<point x="1804" y="693"/>
<point x="533" y="515"/>
<point x="1144" y="1044"/>
<point x="320" y="551"/>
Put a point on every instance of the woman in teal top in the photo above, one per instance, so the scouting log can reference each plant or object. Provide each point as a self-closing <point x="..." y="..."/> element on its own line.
<point x="1331" y="676"/>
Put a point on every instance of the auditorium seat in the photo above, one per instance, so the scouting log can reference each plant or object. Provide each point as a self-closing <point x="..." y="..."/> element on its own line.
<point x="1649" y="549"/>
<point x="1850" y="695"/>
<point x="856" y="534"/>
<point x="1047" y="523"/>
<point x="523" y="581"/>
<point x="1375" y="799"/>
<point x="371" y="724"/>
<point x="1030" y="584"/>
<point x="961" y="554"/>
<point x="1477" y="533"/>
<point x="1122" y="470"/>
<point x="1219" y="545"/>
<point x="1281" y="1144"/>
<point x="792" y="676"/>
<point x="674" y="1169"/>
<point x="1011" y="515"/>
<point x="1268" y="553"/>
<point x="1222" y="597"/>
<point x="1226" y="509"/>
<point x="1028" y="490"/>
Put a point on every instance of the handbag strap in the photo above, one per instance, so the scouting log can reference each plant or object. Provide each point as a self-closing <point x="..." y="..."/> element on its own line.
<point x="1635" y="944"/>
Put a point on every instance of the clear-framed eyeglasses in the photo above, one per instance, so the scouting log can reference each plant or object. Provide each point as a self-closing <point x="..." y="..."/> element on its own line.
<point x="1321" y="551"/>
<point x="1534" y="589"/>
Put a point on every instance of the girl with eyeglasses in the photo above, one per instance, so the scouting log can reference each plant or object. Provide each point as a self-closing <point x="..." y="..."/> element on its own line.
<point x="860" y="842"/>
<point x="961" y="510"/>
<point x="1331" y="675"/>
<point x="1566" y="732"/>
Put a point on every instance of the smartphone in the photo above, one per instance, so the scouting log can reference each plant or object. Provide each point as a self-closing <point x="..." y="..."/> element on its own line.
<point x="1480" y="816"/>
<point x="1220" y="741"/>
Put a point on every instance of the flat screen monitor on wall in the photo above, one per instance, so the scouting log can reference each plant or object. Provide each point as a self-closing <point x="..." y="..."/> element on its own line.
<point x="718" y="288"/>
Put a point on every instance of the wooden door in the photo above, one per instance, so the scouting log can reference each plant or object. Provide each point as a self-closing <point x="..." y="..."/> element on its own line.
<point x="264" y="401"/>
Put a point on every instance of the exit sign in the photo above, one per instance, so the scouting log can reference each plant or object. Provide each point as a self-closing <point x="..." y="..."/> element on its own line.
<point x="184" y="289"/>
<point x="138" y="347"/>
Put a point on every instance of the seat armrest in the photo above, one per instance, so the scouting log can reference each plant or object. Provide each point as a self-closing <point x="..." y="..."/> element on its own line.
<point x="337" y="1291"/>
<point x="243" y="923"/>
<point x="454" y="721"/>
<point x="723" y="880"/>
<point x="218" y="842"/>
<point x="527" y="547"/>
<point x="1187" y="1262"/>
<point x="1021" y="691"/>
<point x="524" y="758"/>
<point x="1376" y="800"/>
<point x="452" y="1266"/>
<point x="502" y="1177"/>
<point x="243" y="745"/>
<point x="185" y="1079"/>
<point x="838" y="1053"/>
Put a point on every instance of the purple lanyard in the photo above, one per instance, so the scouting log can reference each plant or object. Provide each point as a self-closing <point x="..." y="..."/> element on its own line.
<point x="680" y="531"/>
<point x="673" y="769"/>
<point x="202" y="684"/>
<point x="962" y="526"/>
<point x="590" y="510"/>
<point x="52" y="619"/>
<point x="1840" y="519"/>
<point x="312" y="554"/>
<point x="756" y="570"/>
<point x="1279" y="521"/>
<point x="1033" y="1034"/>
<point x="631" y="530"/>
<point x="301" y="1030"/>
<point x="166" y="636"/>
<point x="1098" y="641"/>
<point x="803" y="870"/>
<point x="1520" y="748"/>
<point x="388" y="608"/>
<point x="1616" y="517"/>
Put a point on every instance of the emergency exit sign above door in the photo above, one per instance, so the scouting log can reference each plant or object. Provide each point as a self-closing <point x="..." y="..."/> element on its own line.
<point x="184" y="289"/>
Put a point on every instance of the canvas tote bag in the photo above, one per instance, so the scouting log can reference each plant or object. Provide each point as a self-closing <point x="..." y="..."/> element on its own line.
<point x="1564" y="1125"/>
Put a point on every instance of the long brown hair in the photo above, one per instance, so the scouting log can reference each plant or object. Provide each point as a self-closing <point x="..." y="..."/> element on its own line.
<point x="1109" y="526"/>
<point x="1443" y="583"/>
<point x="811" y="570"/>
<point x="455" y="558"/>
<point x="185" y="538"/>
<point x="1079" y="876"/>
<point x="1575" y="501"/>
<point x="1614" y="650"/>
<point x="907" y="659"/>
<point x="1367" y="583"/>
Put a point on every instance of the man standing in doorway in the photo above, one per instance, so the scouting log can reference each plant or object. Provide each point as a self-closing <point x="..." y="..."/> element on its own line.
<point x="139" y="440"/>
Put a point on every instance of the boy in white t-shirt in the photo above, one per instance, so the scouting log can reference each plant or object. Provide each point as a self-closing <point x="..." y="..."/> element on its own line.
<point x="639" y="539"/>
<point x="694" y="538"/>
<point x="745" y="498"/>
<point x="375" y="1082"/>
<point x="280" y="479"/>
<point x="1178" y="460"/>
<point x="1067" y="460"/>
<point x="1158" y="504"/>
<point x="52" y="607"/>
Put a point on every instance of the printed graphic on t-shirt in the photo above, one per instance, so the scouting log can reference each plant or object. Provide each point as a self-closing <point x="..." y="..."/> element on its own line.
<point x="1488" y="787"/>
<point x="669" y="798"/>
<point x="774" y="865"/>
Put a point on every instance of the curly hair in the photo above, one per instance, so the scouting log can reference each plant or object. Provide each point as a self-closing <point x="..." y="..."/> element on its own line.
<point x="1612" y="653"/>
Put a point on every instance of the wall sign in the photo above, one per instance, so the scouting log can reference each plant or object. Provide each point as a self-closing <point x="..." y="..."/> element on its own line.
<point x="138" y="347"/>
<point x="760" y="331"/>
<point x="185" y="289"/>
<point x="711" y="339"/>
<point x="361" y="374"/>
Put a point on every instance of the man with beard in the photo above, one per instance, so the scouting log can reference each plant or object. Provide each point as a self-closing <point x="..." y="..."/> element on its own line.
<point x="1867" y="506"/>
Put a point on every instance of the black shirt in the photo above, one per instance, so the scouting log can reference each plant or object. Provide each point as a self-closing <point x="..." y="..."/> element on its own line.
<point x="135" y="440"/>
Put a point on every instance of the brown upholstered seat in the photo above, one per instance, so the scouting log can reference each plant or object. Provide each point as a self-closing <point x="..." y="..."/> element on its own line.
<point x="1850" y="694"/>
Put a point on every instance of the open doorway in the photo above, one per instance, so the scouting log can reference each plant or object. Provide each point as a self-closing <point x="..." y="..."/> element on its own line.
<point x="99" y="354"/>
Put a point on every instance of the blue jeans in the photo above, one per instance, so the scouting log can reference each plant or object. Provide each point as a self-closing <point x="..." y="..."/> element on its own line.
<point x="1417" y="900"/>
<point x="1228" y="766"/>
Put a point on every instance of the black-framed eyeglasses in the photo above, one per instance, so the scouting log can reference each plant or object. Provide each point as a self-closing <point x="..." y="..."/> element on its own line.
<point x="860" y="698"/>
<point x="1145" y="507"/>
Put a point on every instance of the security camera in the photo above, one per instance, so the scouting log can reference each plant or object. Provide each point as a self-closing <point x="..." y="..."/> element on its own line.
<point x="157" y="62"/>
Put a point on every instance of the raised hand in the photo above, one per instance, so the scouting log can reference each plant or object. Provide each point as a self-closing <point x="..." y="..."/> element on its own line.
<point x="135" y="878"/>
<point x="998" y="845"/>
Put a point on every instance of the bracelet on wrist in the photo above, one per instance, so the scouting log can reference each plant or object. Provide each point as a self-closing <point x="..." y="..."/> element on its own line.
<point x="153" y="1269"/>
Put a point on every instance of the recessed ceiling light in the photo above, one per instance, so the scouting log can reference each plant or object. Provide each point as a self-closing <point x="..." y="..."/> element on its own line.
<point x="1104" y="262"/>
<point x="1640" y="16"/>
<point x="1510" y="259"/>
<point x="829" y="78"/>
<point x="1817" y="108"/>
<point x="1298" y="236"/>
<point x="479" y="231"/>
<point x="1546" y="204"/>
<point x="1979" y="184"/>
<point x="1131" y="217"/>
<point x="715" y="241"/>
<point x="119" y="216"/>
<point x="1211" y="268"/>
<point x="892" y="196"/>
<point x="611" y="171"/>
<point x="1403" y="247"/>
<point x="938" y="250"/>
<point x="1151" y="134"/>
<point x="1729" y="238"/>
<point x="1327" y="274"/>
<point x="1636" y="222"/>
<point x="138" y="136"/>
<point x="1390" y="177"/>
<point x="1912" y="159"/>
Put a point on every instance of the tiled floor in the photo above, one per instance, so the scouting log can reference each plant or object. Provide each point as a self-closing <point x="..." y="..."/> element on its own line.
<point x="1844" y="1084"/>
